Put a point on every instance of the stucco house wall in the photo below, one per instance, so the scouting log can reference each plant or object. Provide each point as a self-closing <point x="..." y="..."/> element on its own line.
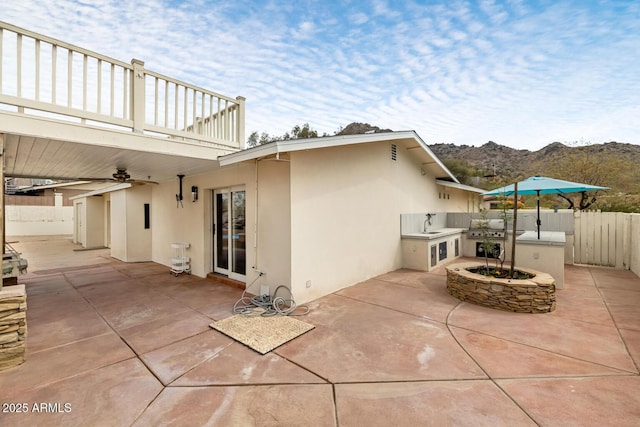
<point x="130" y="241"/>
<point x="273" y="255"/>
<point x="118" y="225"/>
<point x="319" y="217"/>
<point x="38" y="220"/>
<point x="346" y="203"/>
<point x="94" y="231"/>
<point x="192" y="222"/>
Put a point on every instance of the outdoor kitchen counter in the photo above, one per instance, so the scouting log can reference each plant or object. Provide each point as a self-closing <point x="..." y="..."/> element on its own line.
<point x="425" y="251"/>
<point x="547" y="238"/>
<point x="545" y="254"/>
<point x="433" y="234"/>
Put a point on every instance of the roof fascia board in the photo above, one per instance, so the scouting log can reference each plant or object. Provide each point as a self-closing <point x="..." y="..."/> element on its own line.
<point x="435" y="158"/>
<point x="460" y="186"/>
<point x="291" y="145"/>
<point x="279" y="147"/>
<point x="249" y="154"/>
<point x="58" y="185"/>
<point x="116" y="187"/>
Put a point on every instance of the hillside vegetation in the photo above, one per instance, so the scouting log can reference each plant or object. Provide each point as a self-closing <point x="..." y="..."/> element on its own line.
<point x="610" y="164"/>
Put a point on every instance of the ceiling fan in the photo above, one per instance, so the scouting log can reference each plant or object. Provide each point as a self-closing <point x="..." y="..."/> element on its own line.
<point x="122" y="176"/>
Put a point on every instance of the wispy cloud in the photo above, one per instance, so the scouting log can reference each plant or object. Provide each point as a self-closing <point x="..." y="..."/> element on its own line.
<point x="519" y="73"/>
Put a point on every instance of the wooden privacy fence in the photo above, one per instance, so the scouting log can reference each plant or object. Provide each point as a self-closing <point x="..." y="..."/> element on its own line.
<point x="603" y="238"/>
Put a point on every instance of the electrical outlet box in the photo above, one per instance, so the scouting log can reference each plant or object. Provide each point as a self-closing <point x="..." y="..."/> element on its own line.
<point x="308" y="283"/>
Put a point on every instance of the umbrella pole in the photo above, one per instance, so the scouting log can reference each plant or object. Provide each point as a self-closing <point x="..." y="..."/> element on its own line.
<point x="538" y="222"/>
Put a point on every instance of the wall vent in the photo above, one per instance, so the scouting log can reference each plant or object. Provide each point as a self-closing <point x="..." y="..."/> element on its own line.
<point x="394" y="152"/>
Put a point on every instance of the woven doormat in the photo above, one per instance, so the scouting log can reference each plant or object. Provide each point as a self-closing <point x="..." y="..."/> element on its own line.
<point x="262" y="333"/>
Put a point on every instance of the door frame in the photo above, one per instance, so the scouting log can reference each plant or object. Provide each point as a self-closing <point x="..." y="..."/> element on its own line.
<point x="214" y="241"/>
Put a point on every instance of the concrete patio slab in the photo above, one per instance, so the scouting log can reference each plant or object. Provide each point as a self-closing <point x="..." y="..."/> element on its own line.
<point x="433" y="403"/>
<point x="606" y="401"/>
<point x="580" y="340"/>
<point x="585" y="309"/>
<point x="237" y="364"/>
<point x="625" y="316"/>
<point x="125" y="314"/>
<point x="429" y="303"/>
<point x="507" y="359"/>
<point x="173" y="361"/>
<point x="49" y="283"/>
<point x="76" y="325"/>
<point x="58" y="363"/>
<point x="114" y="395"/>
<point x="166" y="330"/>
<point x="632" y="341"/>
<point x="277" y="405"/>
<point x="129" y="344"/>
<point x="398" y="346"/>
<point x="621" y="296"/>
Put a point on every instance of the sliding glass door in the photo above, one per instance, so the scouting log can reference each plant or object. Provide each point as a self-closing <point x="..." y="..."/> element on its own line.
<point x="229" y="251"/>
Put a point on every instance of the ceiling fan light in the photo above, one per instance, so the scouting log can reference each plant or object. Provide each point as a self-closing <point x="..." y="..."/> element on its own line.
<point x="121" y="175"/>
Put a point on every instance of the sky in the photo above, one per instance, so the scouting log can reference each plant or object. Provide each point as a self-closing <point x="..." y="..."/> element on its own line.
<point x="520" y="73"/>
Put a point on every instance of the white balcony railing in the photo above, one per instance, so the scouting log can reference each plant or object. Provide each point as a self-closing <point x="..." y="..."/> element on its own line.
<point x="41" y="75"/>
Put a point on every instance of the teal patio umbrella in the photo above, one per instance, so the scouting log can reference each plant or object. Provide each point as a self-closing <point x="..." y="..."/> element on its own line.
<point x="542" y="185"/>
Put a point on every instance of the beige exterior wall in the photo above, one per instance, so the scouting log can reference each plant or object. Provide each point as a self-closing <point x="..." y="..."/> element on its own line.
<point x="38" y="220"/>
<point x="273" y="256"/>
<point x="130" y="241"/>
<point x="326" y="217"/>
<point x="89" y="216"/>
<point x="193" y="222"/>
<point x="94" y="221"/>
<point x="345" y="213"/>
<point x="118" y="225"/>
<point x="456" y="200"/>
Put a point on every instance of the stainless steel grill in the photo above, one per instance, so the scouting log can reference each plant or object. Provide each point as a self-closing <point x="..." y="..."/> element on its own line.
<point x="494" y="228"/>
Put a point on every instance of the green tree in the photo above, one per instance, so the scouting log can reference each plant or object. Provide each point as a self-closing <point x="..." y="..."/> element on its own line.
<point x="303" y="132"/>
<point x="297" y="132"/>
<point x="461" y="169"/>
<point x="587" y="165"/>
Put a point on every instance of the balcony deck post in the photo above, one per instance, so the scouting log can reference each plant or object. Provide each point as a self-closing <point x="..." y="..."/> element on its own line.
<point x="240" y="135"/>
<point x="137" y="95"/>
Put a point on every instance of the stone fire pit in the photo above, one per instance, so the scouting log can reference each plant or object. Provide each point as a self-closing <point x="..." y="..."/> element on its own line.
<point x="535" y="295"/>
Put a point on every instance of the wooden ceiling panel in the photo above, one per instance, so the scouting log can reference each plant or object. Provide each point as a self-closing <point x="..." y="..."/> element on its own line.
<point x="47" y="158"/>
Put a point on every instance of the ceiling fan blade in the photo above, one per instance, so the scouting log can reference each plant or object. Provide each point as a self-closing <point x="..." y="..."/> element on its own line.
<point x="142" y="181"/>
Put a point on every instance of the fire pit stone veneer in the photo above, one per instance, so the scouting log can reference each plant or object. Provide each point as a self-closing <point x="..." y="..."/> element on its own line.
<point x="536" y="295"/>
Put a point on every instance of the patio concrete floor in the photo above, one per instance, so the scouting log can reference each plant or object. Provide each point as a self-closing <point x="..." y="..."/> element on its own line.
<point x="129" y="344"/>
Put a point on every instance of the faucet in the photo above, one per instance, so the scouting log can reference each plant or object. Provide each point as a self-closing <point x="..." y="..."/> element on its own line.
<point x="427" y="221"/>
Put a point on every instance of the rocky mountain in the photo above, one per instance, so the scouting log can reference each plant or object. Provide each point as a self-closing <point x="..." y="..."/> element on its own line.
<point x="506" y="159"/>
<point x="613" y="160"/>
<point x="360" y="128"/>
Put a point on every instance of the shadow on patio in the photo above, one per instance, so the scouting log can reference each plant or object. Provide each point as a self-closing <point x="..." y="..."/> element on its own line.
<point x="129" y="344"/>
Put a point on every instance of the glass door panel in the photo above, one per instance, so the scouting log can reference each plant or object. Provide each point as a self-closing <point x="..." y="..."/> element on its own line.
<point x="230" y="232"/>
<point x="238" y="257"/>
<point x="221" y="208"/>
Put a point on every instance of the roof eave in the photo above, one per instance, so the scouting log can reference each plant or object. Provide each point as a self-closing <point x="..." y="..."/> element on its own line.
<point x="117" y="187"/>
<point x="279" y="147"/>
<point x="459" y="186"/>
